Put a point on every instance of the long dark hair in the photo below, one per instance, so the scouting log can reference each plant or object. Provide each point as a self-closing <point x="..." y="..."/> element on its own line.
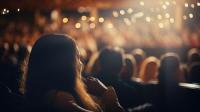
<point x="54" y="64"/>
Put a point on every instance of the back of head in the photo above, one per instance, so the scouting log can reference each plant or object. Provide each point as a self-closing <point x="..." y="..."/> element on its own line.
<point x="51" y="65"/>
<point x="169" y="69"/>
<point x="130" y="68"/>
<point x="194" y="73"/>
<point x="149" y="69"/>
<point x="139" y="55"/>
<point x="193" y="55"/>
<point x="111" y="61"/>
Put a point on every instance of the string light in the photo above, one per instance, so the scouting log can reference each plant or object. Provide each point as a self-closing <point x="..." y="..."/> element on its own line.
<point x="92" y="18"/>
<point x="161" y="25"/>
<point x="198" y="3"/>
<point x="65" y="20"/>
<point x="127" y="21"/>
<point x="101" y="19"/>
<point x="92" y="25"/>
<point x="83" y="18"/>
<point x="7" y="11"/>
<point x="192" y="5"/>
<point x="18" y="9"/>
<point x="191" y="15"/>
<point x="159" y="16"/>
<point x="122" y="12"/>
<point x="141" y="3"/>
<point x="139" y="14"/>
<point x="110" y="25"/>
<point x="148" y="19"/>
<point x="171" y="20"/>
<point x="78" y="25"/>
<point x="164" y="7"/>
<point x="186" y="5"/>
<point x="115" y="14"/>
<point x="130" y="10"/>
<point x="167" y="15"/>
<point x="167" y="3"/>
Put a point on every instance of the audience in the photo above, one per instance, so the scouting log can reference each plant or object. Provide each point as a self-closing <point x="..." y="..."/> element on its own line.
<point x="57" y="75"/>
<point x="54" y="81"/>
<point x="148" y="70"/>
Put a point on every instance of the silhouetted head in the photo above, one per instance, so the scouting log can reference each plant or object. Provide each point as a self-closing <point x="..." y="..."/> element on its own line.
<point x="54" y="64"/>
<point x="149" y="69"/>
<point x="194" y="73"/>
<point x="193" y="55"/>
<point x="169" y="69"/>
<point x="129" y="69"/>
<point x="111" y="62"/>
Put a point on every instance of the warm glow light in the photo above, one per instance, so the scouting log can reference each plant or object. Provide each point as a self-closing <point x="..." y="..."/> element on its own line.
<point x="7" y="11"/>
<point x="148" y="19"/>
<point x="141" y="3"/>
<point x="198" y="3"/>
<point x="122" y="12"/>
<point x="164" y="7"/>
<point x="65" y="20"/>
<point x="174" y="2"/>
<point x="115" y="14"/>
<point x="171" y="20"/>
<point x="18" y="9"/>
<point x="192" y="5"/>
<point x="167" y="15"/>
<point x="130" y="10"/>
<point x="92" y="18"/>
<point x="139" y="14"/>
<point x="161" y="25"/>
<point x="186" y="5"/>
<point x="127" y="21"/>
<point x="83" y="18"/>
<point x="92" y="25"/>
<point x="77" y="25"/>
<point x="110" y="25"/>
<point x="191" y="15"/>
<point x="159" y="16"/>
<point x="101" y="19"/>
<point x="167" y="3"/>
<point x="4" y="10"/>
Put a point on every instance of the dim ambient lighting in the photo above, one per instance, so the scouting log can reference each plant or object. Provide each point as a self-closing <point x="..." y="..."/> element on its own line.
<point x="159" y="16"/>
<point x="101" y="19"/>
<point x="191" y="15"/>
<point x="115" y="14"/>
<point x="78" y="25"/>
<point x="65" y="20"/>
<point x="186" y="5"/>
<point x="148" y="19"/>
<point x="130" y="10"/>
<point x="92" y="18"/>
<point x="83" y="18"/>
<point x="92" y="25"/>
<point x="161" y="25"/>
<point x="122" y="12"/>
<point x="141" y="3"/>
<point x="171" y="20"/>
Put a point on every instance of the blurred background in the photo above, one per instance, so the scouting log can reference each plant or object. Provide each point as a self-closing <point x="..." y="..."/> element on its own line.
<point x="156" y="26"/>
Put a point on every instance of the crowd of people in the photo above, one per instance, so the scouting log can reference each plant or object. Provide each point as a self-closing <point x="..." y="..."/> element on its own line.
<point x="85" y="71"/>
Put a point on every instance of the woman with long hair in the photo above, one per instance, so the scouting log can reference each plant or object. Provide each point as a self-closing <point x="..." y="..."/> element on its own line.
<point x="54" y="82"/>
<point x="149" y="70"/>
